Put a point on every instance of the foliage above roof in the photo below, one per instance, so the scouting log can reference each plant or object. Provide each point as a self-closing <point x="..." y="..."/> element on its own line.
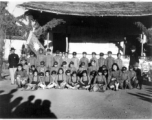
<point x="93" y="8"/>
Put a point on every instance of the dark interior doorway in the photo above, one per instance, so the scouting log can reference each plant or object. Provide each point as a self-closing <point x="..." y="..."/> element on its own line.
<point x="59" y="42"/>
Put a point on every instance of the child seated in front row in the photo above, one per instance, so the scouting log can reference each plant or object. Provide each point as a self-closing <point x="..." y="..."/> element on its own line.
<point x="61" y="79"/>
<point x="114" y="77"/>
<point x="84" y="82"/>
<point x="73" y="83"/>
<point x="124" y="81"/>
<point x="21" y="76"/>
<point x="33" y="85"/>
<point x="53" y="80"/>
<point x="100" y="83"/>
<point x="42" y="80"/>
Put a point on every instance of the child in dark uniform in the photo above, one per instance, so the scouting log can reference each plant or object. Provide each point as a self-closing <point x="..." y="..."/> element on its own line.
<point x="100" y="83"/>
<point x="30" y="76"/>
<point x="61" y="79"/>
<point x="93" y="67"/>
<point x="84" y="80"/>
<point x="68" y="79"/>
<point x="74" y="81"/>
<point x="55" y="67"/>
<point x="124" y="79"/>
<point x="47" y="78"/>
<point x="139" y="77"/>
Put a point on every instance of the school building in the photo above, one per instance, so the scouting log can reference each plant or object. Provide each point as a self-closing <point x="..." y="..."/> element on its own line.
<point x="90" y="24"/>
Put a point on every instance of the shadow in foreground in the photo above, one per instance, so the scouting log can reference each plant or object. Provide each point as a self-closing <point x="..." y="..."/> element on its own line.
<point x="147" y="95"/>
<point x="39" y="109"/>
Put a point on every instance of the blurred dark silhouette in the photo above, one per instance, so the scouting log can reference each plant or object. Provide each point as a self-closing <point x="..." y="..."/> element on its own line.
<point x="27" y="109"/>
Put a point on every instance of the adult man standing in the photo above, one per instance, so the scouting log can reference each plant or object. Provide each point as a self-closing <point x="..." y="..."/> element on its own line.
<point x="133" y="57"/>
<point x="13" y="61"/>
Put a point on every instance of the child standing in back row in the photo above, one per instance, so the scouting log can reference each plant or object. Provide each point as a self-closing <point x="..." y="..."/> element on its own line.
<point x="101" y="60"/>
<point x="109" y="61"/>
<point x="119" y="61"/>
<point x="84" y="59"/>
<point x="49" y="59"/>
<point x="75" y="60"/>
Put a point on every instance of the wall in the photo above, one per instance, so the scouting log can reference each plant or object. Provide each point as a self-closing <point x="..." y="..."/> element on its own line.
<point x="17" y="44"/>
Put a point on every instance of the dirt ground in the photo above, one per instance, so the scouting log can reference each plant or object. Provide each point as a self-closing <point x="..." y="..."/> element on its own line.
<point x="79" y="104"/>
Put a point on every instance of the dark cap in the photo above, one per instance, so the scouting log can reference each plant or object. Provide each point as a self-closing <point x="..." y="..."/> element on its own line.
<point x="83" y="63"/>
<point x="124" y="68"/>
<point x="55" y="63"/>
<point x="31" y="53"/>
<point x="48" y="50"/>
<point x="12" y="48"/>
<point x="101" y="54"/>
<point x="74" y="53"/>
<point x="93" y="72"/>
<point x="130" y="67"/>
<point x="57" y="52"/>
<point x="133" y="48"/>
<point x="42" y="63"/>
<point x="84" y="53"/>
<point x="93" y="53"/>
<point x="64" y="63"/>
<point x="68" y="71"/>
<point x="20" y="65"/>
<point x="53" y="72"/>
<point x="40" y="49"/>
<point x="41" y="74"/>
<point x="109" y="52"/>
<point x="72" y="62"/>
<point x="47" y="71"/>
<point x="32" y="66"/>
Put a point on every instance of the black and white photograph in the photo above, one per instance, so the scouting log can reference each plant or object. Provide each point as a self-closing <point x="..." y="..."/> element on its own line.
<point x="75" y="59"/>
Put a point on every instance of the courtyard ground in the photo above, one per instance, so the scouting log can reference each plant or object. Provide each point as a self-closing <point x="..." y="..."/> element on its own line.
<point x="64" y="104"/>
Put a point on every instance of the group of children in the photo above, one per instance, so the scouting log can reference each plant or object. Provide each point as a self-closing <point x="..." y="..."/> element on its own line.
<point x="60" y="72"/>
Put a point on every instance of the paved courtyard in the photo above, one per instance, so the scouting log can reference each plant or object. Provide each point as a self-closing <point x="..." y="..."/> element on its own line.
<point x="55" y="103"/>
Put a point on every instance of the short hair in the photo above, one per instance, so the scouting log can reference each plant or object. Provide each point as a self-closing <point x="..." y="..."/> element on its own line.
<point x="109" y="52"/>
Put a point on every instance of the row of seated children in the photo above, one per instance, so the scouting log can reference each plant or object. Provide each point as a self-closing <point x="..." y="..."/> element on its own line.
<point x="92" y="78"/>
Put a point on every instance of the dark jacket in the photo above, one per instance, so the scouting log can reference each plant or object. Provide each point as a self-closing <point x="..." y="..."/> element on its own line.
<point x="133" y="58"/>
<point x="13" y="60"/>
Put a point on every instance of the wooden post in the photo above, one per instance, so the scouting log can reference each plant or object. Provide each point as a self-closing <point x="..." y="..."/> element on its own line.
<point x="124" y="46"/>
<point x="67" y="44"/>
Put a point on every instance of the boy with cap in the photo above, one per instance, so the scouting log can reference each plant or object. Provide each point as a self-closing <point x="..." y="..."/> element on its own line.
<point x="95" y="59"/>
<point x="40" y="57"/>
<point x="31" y="60"/>
<point x="55" y="67"/>
<point x="132" y="76"/>
<point x="119" y="61"/>
<point x="133" y="56"/>
<point x="138" y="75"/>
<point x="23" y="56"/>
<point x="124" y="79"/>
<point x="49" y="59"/>
<point x="42" y="80"/>
<point x="66" y="58"/>
<point x="58" y="58"/>
<point x="71" y="67"/>
<point x="84" y="60"/>
<point x="101" y="60"/>
<point x="42" y="67"/>
<point x="109" y="61"/>
<point x="75" y="60"/>
<point x="13" y="61"/>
